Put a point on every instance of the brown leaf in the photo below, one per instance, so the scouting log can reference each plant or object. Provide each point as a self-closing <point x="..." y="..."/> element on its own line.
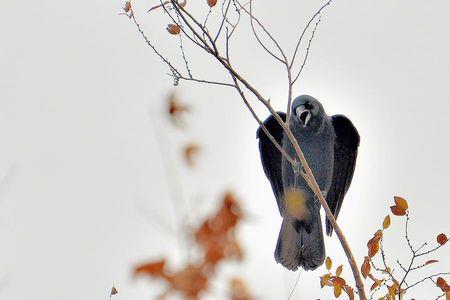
<point x="386" y="222"/>
<point x="325" y="280"/>
<point x="127" y="6"/>
<point x="154" y="269"/>
<point x="350" y="293"/>
<point x="373" y="244"/>
<point x="173" y="29"/>
<point x="440" y="282"/>
<point x="401" y="203"/>
<point x="336" y="280"/>
<point x="374" y="286"/>
<point x="239" y="290"/>
<point x="365" y="268"/>
<point x="190" y="281"/>
<point x="431" y="262"/>
<point x="190" y="151"/>
<point x="339" y="270"/>
<point x="212" y="3"/>
<point x="398" y="211"/>
<point x="337" y="291"/>
<point x="114" y="291"/>
<point x="442" y="239"/>
<point x="176" y="109"/>
<point x="328" y="263"/>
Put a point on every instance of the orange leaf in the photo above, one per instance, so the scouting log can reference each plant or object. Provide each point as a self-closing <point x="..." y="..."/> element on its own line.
<point x="212" y="3"/>
<point x="338" y="281"/>
<point x="239" y="290"/>
<point x="155" y="269"/>
<point x="328" y="263"/>
<point x="190" y="151"/>
<point x="173" y="29"/>
<point x="325" y="280"/>
<point x="398" y="211"/>
<point x="431" y="262"/>
<point x="350" y="293"/>
<point x="401" y="203"/>
<point x="373" y="244"/>
<point x="337" y="291"/>
<point x="374" y="286"/>
<point x="339" y="270"/>
<point x="190" y="281"/>
<point x="386" y="222"/>
<point x="365" y="268"/>
<point x="440" y="282"/>
<point x="442" y="239"/>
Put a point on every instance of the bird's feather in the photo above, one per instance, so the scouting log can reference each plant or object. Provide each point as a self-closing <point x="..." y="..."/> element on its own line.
<point x="271" y="157"/>
<point x="345" y="152"/>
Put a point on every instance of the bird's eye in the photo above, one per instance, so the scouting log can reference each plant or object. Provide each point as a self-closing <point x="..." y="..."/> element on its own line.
<point x="308" y="106"/>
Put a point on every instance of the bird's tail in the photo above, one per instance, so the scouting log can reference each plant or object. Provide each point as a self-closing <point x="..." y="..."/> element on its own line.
<point x="300" y="243"/>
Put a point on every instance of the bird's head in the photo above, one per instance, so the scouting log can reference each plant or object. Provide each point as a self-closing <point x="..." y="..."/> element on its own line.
<point x="307" y="112"/>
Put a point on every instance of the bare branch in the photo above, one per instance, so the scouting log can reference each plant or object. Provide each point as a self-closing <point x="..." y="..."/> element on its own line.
<point x="426" y="278"/>
<point x="305" y="29"/>
<point x="307" y="50"/>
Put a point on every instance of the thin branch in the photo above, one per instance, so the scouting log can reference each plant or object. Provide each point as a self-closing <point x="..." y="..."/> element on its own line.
<point x="429" y="251"/>
<point x="307" y="50"/>
<point x="252" y="19"/>
<point x="426" y="278"/>
<point x="186" y="63"/>
<point x="305" y="29"/>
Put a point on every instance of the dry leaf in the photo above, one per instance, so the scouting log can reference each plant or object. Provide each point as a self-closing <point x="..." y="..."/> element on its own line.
<point x="114" y="291"/>
<point x="328" y="263"/>
<point x="401" y="203"/>
<point x="339" y="270"/>
<point x="338" y="281"/>
<point x="337" y="291"/>
<point x="127" y="7"/>
<point x="442" y="284"/>
<point x="239" y="290"/>
<point x="386" y="222"/>
<point x="325" y="280"/>
<point x="442" y="239"/>
<point x="365" y="268"/>
<point x="190" y="281"/>
<point x="176" y="109"/>
<point x="373" y="244"/>
<point x="212" y="3"/>
<point x="374" y="286"/>
<point x="190" y="151"/>
<point x="431" y="262"/>
<point x="398" y="211"/>
<point x="154" y="269"/>
<point x="173" y="29"/>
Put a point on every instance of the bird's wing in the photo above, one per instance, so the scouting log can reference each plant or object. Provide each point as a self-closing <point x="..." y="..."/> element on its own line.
<point x="345" y="152"/>
<point x="271" y="157"/>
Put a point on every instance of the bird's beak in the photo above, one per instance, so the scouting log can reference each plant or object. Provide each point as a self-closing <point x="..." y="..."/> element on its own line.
<point x="303" y="114"/>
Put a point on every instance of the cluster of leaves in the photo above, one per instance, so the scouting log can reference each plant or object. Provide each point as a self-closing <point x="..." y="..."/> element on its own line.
<point x="215" y="238"/>
<point x="395" y="283"/>
<point x="337" y="282"/>
<point x="390" y="284"/>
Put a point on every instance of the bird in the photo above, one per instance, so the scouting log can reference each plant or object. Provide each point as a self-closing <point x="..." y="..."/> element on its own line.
<point x="330" y="146"/>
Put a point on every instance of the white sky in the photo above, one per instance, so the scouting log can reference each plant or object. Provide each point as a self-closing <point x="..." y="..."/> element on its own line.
<point x="80" y="125"/>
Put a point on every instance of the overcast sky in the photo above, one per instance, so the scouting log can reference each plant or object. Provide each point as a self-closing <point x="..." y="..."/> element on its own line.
<point x="81" y="127"/>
